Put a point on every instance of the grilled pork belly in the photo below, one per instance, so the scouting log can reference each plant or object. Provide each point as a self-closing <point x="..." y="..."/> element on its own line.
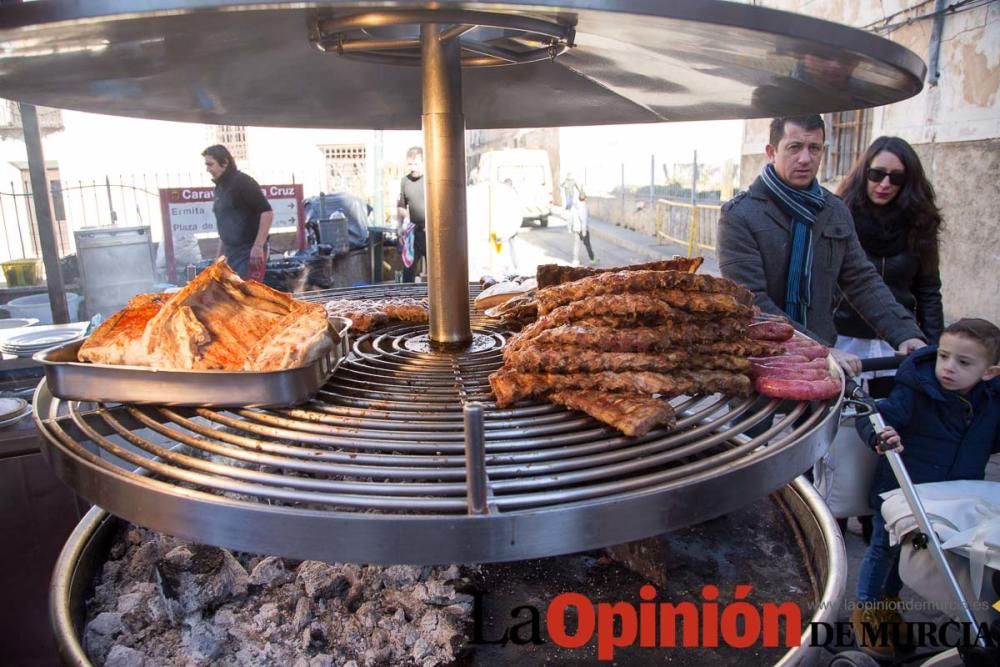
<point x="631" y="414"/>
<point x="118" y="340"/>
<point x="555" y="274"/>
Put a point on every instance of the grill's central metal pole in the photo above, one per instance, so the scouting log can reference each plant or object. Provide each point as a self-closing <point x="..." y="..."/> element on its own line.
<point x="444" y="153"/>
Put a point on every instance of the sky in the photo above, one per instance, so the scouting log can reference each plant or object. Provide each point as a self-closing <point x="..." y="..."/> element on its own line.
<point x="602" y="150"/>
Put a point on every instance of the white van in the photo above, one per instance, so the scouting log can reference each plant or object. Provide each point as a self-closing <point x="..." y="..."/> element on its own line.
<point x="528" y="171"/>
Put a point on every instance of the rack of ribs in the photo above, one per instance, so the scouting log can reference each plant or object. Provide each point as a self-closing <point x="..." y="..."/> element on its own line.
<point x="618" y="345"/>
<point x="556" y="274"/>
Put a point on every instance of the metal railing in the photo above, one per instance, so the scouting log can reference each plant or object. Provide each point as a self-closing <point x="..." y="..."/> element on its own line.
<point x="133" y="200"/>
<point x="693" y="225"/>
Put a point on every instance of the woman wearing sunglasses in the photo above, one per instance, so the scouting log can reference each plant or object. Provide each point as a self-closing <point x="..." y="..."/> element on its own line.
<point x="897" y="223"/>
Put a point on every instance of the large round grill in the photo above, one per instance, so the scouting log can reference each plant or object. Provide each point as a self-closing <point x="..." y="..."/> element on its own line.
<point x="373" y="469"/>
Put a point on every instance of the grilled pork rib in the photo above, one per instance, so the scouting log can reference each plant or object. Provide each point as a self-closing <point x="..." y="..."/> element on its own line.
<point x="631" y="414"/>
<point x="367" y="314"/>
<point x="555" y="274"/>
<point x="639" y="339"/>
<point x="511" y="386"/>
<point x="644" y="282"/>
<point x="559" y="360"/>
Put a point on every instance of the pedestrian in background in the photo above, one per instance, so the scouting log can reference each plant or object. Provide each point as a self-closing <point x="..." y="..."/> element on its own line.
<point x="578" y="218"/>
<point x="243" y="215"/>
<point x="411" y="207"/>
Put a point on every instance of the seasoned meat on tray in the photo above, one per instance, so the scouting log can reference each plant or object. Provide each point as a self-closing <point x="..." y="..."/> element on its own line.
<point x="217" y="322"/>
<point x="220" y="322"/>
<point x="118" y="340"/>
<point x="631" y="414"/>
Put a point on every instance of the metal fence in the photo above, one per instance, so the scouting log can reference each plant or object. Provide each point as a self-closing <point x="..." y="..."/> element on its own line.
<point x="128" y="200"/>
<point x="693" y="225"/>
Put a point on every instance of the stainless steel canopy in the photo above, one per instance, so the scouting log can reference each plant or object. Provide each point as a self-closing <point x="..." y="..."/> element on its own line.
<point x="374" y="469"/>
<point x="226" y="62"/>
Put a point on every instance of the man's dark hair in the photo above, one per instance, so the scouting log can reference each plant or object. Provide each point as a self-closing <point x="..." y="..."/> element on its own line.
<point x="812" y="122"/>
<point x="983" y="332"/>
<point x="220" y="154"/>
<point x="416" y="151"/>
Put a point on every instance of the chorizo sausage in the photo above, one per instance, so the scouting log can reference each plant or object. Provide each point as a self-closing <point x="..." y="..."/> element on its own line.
<point x="797" y="390"/>
<point x="791" y="372"/>
<point x="776" y="331"/>
<point x="805" y="348"/>
<point x="788" y="360"/>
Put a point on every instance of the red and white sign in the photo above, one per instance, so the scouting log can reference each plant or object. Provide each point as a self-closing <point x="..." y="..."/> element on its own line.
<point x="188" y="211"/>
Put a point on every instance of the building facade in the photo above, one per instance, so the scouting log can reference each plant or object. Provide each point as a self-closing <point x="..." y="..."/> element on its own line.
<point x="954" y="125"/>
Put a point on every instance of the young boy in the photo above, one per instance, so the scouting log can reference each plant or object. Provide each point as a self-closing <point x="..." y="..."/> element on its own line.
<point x="943" y="418"/>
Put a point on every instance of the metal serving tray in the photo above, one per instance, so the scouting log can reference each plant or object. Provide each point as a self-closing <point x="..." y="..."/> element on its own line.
<point x="68" y="378"/>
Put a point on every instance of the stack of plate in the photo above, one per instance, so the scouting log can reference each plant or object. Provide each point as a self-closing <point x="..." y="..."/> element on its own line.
<point x="13" y="410"/>
<point x="36" y="339"/>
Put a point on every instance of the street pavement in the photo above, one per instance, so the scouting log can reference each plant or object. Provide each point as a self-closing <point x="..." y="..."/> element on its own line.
<point x="613" y="246"/>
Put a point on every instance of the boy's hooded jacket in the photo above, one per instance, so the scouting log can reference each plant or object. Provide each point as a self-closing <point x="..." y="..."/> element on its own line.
<point x="945" y="436"/>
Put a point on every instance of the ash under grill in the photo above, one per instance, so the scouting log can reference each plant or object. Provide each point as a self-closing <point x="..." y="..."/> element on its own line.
<point x="373" y="469"/>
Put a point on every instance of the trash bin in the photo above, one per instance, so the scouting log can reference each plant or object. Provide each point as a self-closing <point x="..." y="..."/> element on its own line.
<point x="285" y="275"/>
<point x="333" y="232"/>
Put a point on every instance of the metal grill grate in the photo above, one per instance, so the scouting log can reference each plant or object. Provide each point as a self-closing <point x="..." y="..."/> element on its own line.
<point x="373" y="469"/>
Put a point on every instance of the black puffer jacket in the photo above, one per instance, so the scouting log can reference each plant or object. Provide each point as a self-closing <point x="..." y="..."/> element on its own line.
<point x="916" y="284"/>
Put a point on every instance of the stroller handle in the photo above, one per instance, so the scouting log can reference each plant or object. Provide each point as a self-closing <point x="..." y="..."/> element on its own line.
<point x="857" y="395"/>
<point x="882" y="363"/>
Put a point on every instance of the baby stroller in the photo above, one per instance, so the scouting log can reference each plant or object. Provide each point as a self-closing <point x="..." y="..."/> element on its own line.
<point x="973" y="543"/>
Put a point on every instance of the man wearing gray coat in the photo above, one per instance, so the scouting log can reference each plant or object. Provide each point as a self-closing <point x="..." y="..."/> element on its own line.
<point x="791" y="242"/>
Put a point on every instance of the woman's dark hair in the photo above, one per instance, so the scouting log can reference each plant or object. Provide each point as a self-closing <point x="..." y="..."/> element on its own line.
<point x="915" y="199"/>
<point x="220" y="154"/>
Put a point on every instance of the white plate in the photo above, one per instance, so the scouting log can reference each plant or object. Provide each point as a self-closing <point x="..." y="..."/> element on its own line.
<point x="15" y="418"/>
<point x="11" y="407"/>
<point x="40" y="340"/>
<point x="17" y="322"/>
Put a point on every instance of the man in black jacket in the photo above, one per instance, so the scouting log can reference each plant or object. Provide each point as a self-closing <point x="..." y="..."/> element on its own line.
<point x="411" y="205"/>
<point x="243" y="215"/>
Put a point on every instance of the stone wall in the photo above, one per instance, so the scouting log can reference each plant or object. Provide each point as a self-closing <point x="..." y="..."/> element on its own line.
<point x="965" y="180"/>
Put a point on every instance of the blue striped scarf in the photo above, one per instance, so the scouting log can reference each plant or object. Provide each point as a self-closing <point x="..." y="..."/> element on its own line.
<point x="802" y="206"/>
